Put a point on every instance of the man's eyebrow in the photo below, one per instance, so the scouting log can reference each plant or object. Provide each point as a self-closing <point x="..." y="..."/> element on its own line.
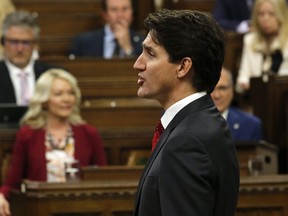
<point x="148" y="48"/>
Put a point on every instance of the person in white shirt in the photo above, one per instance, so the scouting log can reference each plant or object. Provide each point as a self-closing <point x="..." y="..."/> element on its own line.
<point x="193" y="168"/>
<point x="116" y="39"/>
<point x="19" y="69"/>
<point x="265" y="49"/>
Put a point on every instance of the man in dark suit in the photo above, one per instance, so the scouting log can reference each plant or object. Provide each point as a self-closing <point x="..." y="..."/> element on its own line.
<point x="233" y="15"/>
<point x="193" y="169"/>
<point x="19" y="70"/>
<point x="115" y="39"/>
<point x="243" y="126"/>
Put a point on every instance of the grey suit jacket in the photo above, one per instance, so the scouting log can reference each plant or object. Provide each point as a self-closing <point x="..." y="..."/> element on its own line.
<point x="193" y="170"/>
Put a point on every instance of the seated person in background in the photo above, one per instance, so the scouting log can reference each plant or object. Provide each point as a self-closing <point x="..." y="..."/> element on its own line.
<point x="243" y="126"/>
<point x="265" y="49"/>
<point x="19" y="70"/>
<point x="115" y="39"/>
<point x="52" y="133"/>
<point x="233" y="15"/>
<point x="6" y="7"/>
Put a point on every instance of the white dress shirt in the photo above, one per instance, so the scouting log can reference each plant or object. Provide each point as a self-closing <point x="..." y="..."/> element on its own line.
<point x="15" y="78"/>
<point x="171" y="112"/>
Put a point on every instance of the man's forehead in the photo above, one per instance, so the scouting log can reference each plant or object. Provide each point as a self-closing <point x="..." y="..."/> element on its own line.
<point x="118" y="3"/>
<point x="149" y="42"/>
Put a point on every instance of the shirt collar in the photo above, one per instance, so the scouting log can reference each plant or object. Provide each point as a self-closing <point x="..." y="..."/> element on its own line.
<point x="109" y="35"/>
<point x="171" y="112"/>
<point x="15" y="70"/>
<point x="225" y="114"/>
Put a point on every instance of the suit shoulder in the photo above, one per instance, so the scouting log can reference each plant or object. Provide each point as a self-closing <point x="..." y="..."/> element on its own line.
<point x="245" y="116"/>
<point x="89" y="34"/>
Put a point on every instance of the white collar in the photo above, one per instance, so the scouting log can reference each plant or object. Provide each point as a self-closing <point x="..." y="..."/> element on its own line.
<point x="171" y="112"/>
<point x="15" y="70"/>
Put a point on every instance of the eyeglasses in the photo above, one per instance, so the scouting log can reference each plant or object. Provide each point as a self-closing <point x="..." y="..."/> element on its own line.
<point x="16" y="42"/>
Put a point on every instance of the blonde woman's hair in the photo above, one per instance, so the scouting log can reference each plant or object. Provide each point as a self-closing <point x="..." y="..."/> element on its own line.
<point x="36" y="116"/>
<point x="281" y="11"/>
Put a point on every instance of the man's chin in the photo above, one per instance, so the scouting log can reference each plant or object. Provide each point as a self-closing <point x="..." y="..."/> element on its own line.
<point x="20" y="63"/>
<point x="142" y="94"/>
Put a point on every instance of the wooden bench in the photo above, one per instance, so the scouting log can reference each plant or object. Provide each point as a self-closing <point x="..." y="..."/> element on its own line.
<point x="61" y="20"/>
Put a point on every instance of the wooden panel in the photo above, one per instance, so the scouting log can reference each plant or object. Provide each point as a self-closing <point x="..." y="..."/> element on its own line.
<point x="125" y="116"/>
<point x="261" y="196"/>
<point x="112" y="172"/>
<point x="233" y="52"/>
<point x="269" y="101"/>
<point x="201" y="5"/>
<point x="61" y="20"/>
<point x="94" y="67"/>
<point x="265" y="152"/>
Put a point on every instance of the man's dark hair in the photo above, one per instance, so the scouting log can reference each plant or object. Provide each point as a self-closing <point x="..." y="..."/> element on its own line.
<point x="194" y="34"/>
<point x="104" y="4"/>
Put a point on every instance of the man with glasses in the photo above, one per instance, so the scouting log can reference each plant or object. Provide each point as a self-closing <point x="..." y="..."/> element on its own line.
<point x="243" y="126"/>
<point x="19" y="69"/>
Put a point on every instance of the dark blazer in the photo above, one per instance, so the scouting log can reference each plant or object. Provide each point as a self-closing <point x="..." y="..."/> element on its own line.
<point x="244" y="126"/>
<point x="7" y="93"/>
<point x="29" y="162"/>
<point x="229" y="13"/>
<point x="193" y="169"/>
<point x="91" y="43"/>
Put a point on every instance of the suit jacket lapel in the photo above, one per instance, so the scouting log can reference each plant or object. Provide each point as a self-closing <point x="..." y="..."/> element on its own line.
<point x="194" y="106"/>
<point x="7" y="95"/>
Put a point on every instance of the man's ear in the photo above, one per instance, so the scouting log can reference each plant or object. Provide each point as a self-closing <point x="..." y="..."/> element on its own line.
<point x="184" y="67"/>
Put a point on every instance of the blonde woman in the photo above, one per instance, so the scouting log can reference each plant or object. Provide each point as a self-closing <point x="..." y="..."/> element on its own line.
<point x="265" y="49"/>
<point x="51" y="134"/>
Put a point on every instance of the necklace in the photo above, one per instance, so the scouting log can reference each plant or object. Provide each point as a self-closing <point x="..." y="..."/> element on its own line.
<point x="61" y="144"/>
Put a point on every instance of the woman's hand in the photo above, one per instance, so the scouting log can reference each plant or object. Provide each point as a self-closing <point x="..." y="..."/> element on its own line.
<point x="4" y="206"/>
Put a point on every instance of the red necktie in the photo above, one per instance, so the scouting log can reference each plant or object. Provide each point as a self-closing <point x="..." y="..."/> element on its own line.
<point x="158" y="131"/>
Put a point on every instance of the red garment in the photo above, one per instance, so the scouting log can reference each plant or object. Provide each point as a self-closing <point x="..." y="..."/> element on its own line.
<point x="29" y="161"/>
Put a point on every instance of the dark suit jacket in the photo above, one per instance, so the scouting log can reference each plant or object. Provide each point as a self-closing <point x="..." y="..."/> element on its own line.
<point x="230" y="13"/>
<point x="7" y="93"/>
<point x="91" y="43"/>
<point x="193" y="169"/>
<point x="243" y="126"/>
<point x="29" y="162"/>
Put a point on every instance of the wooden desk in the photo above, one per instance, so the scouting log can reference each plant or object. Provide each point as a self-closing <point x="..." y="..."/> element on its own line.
<point x="83" y="198"/>
<point x="266" y="152"/>
<point x="263" y="196"/>
<point x="112" y="172"/>
<point x="258" y="195"/>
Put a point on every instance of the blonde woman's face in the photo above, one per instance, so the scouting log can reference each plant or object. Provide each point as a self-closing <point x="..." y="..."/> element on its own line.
<point x="267" y="19"/>
<point x="62" y="99"/>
